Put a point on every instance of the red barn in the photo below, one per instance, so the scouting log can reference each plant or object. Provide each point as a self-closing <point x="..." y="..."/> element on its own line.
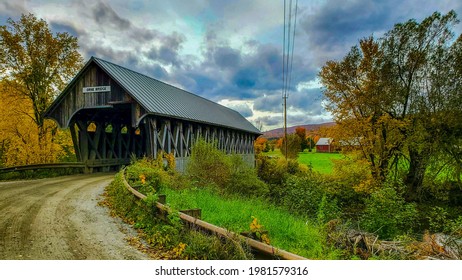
<point x="325" y="145"/>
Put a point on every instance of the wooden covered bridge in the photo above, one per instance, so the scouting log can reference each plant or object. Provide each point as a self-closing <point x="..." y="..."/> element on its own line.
<point x="114" y="112"/>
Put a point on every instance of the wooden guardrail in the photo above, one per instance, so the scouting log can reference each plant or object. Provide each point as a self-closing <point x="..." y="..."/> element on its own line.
<point x="61" y="165"/>
<point x="42" y="166"/>
<point x="254" y="244"/>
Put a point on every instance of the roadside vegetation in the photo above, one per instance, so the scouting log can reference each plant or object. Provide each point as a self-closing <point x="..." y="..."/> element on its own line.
<point x="315" y="215"/>
<point x="230" y="196"/>
<point x="168" y="238"/>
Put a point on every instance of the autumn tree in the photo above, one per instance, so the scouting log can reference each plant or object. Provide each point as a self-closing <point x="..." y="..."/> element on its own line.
<point x="37" y="64"/>
<point x="421" y="78"/>
<point x="261" y="145"/>
<point x="353" y="90"/>
<point x="301" y="133"/>
<point x="293" y="146"/>
<point x="18" y="134"/>
<point x="394" y="93"/>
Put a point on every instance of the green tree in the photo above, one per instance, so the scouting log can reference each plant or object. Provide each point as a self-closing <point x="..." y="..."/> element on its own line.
<point x="301" y="132"/>
<point x="421" y="78"/>
<point x="37" y="64"/>
<point x="395" y="93"/>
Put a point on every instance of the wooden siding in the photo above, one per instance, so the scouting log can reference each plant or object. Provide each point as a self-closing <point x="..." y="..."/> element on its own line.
<point x="76" y="100"/>
<point x="324" y="148"/>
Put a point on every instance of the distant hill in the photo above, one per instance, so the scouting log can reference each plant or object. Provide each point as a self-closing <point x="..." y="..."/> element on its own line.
<point x="279" y="132"/>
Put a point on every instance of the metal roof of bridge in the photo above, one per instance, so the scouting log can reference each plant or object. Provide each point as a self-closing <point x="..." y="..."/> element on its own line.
<point x="163" y="99"/>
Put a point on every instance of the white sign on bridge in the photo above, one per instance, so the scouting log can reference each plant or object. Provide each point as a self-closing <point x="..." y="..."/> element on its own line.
<point x="96" y="89"/>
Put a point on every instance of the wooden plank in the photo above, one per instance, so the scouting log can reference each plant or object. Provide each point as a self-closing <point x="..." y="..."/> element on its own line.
<point x="162" y="198"/>
<point x="196" y="212"/>
<point x="42" y="166"/>
<point x="74" y="132"/>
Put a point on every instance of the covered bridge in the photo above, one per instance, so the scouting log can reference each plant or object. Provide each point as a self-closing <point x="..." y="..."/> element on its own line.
<point x="114" y="112"/>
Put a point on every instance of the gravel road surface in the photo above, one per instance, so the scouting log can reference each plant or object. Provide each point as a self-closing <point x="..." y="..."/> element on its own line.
<point x="60" y="219"/>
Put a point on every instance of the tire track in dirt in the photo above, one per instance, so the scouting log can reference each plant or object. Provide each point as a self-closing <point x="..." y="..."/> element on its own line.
<point x="9" y="193"/>
<point x="60" y="218"/>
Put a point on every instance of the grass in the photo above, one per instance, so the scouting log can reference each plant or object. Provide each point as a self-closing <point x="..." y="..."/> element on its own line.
<point x="286" y="231"/>
<point x="320" y="162"/>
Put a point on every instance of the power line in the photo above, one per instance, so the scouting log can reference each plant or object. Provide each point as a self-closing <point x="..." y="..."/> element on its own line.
<point x="286" y="54"/>
<point x="293" y="47"/>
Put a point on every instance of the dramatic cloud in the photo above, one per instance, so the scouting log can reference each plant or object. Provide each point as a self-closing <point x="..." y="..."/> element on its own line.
<point x="228" y="51"/>
<point x="269" y="103"/>
<point x="104" y="15"/>
<point x="243" y="108"/>
<point x="11" y="9"/>
<point x="58" y="26"/>
<point x="269" y="121"/>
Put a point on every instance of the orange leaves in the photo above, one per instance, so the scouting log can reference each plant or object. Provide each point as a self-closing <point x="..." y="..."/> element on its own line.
<point x="260" y="144"/>
<point x="142" y="179"/>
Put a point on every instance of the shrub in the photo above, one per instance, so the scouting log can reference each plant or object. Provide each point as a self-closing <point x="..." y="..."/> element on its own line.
<point x="270" y="171"/>
<point x="148" y="176"/>
<point x="275" y="171"/>
<point x="244" y="179"/>
<point x="228" y="173"/>
<point x="306" y="195"/>
<point x="437" y="219"/>
<point x="440" y="220"/>
<point x="328" y="210"/>
<point x="353" y="175"/>
<point x="387" y="213"/>
<point x="208" y="165"/>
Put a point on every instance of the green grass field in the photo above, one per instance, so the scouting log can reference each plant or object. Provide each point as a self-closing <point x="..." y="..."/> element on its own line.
<point x="320" y="162"/>
<point x="295" y="234"/>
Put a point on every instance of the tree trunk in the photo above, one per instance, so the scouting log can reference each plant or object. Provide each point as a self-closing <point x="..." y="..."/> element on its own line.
<point x="414" y="179"/>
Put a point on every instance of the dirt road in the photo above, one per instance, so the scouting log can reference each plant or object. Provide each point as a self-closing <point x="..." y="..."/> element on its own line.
<point x="59" y="219"/>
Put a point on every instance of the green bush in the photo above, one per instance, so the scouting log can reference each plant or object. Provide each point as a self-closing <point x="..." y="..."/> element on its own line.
<point x="209" y="166"/>
<point x="293" y="146"/>
<point x="328" y="210"/>
<point x="244" y="179"/>
<point x="387" y="213"/>
<point x="437" y="219"/>
<point x="275" y="171"/>
<point x="148" y="176"/>
<point x="306" y="195"/>
<point x="440" y="220"/>
<point x="270" y="171"/>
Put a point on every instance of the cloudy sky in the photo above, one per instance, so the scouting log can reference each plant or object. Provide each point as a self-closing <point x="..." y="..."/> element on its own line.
<point x="228" y="51"/>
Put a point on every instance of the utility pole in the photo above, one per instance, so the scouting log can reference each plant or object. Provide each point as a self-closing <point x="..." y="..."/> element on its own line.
<point x="285" y="125"/>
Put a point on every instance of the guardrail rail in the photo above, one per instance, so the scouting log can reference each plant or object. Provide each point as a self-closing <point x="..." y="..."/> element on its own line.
<point x="254" y="244"/>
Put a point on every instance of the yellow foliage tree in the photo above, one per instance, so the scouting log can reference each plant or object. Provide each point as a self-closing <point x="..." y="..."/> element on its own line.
<point x="19" y="143"/>
<point x="35" y="65"/>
